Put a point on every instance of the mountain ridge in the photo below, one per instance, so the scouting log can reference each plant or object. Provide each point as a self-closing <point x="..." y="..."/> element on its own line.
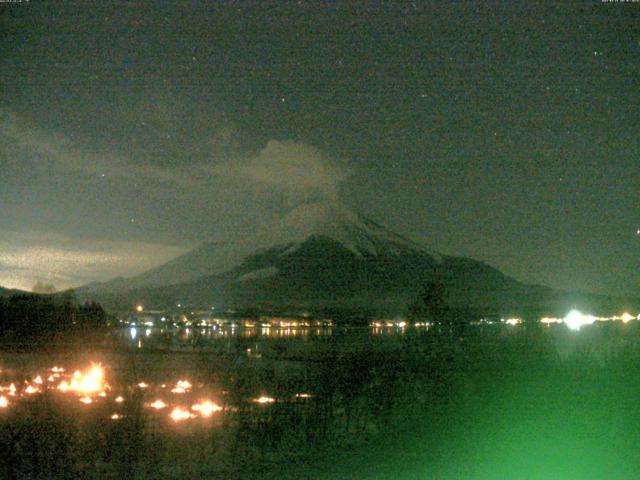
<point x="320" y="255"/>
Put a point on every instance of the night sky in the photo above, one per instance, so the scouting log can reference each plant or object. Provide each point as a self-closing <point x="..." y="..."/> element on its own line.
<point x="507" y="132"/>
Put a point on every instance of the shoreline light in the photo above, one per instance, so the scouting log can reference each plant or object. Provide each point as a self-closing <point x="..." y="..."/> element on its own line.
<point x="264" y="400"/>
<point x="550" y="320"/>
<point x="627" y="317"/>
<point x="575" y="320"/>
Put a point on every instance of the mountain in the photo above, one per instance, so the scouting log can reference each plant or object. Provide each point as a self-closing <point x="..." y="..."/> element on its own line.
<point x="7" y="292"/>
<point x="356" y="234"/>
<point x="321" y="255"/>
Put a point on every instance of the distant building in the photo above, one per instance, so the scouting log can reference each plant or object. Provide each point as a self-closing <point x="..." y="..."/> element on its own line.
<point x="149" y="317"/>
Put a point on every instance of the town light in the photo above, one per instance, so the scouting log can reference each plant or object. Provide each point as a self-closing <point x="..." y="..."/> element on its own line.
<point x="575" y="320"/>
<point x="627" y="317"/>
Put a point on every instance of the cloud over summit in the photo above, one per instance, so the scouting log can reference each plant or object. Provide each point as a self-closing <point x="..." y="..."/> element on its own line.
<point x="297" y="170"/>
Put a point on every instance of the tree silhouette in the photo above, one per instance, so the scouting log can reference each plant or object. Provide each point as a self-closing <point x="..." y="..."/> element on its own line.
<point x="430" y="304"/>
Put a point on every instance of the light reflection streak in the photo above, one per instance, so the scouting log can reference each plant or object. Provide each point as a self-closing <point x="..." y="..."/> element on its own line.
<point x="189" y="336"/>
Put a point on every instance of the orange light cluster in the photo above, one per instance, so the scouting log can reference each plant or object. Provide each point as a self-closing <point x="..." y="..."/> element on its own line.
<point x="89" y="387"/>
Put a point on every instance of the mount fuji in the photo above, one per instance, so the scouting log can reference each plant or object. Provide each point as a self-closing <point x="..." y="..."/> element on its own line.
<point x="317" y="255"/>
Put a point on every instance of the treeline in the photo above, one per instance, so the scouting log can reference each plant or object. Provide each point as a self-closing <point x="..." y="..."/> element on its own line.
<point x="33" y="318"/>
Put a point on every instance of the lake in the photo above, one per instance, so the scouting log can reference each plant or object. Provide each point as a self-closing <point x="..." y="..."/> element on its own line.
<point x="341" y="402"/>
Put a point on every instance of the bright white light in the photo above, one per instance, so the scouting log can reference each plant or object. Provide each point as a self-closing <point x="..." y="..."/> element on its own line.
<point x="575" y="320"/>
<point x="133" y="333"/>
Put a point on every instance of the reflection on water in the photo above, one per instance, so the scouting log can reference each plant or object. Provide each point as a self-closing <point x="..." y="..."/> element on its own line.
<point x="203" y="337"/>
<point x="180" y="399"/>
<point x="243" y="398"/>
<point x="176" y="338"/>
<point x="290" y="348"/>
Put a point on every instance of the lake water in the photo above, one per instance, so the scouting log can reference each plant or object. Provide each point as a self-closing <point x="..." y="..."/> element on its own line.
<point x="236" y="403"/>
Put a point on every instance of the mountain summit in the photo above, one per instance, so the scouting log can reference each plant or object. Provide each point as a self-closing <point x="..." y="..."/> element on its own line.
<point x="345" y="227"/>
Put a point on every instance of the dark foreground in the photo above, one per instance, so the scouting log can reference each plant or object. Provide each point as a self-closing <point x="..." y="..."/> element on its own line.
<point x="497" y="403"/>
